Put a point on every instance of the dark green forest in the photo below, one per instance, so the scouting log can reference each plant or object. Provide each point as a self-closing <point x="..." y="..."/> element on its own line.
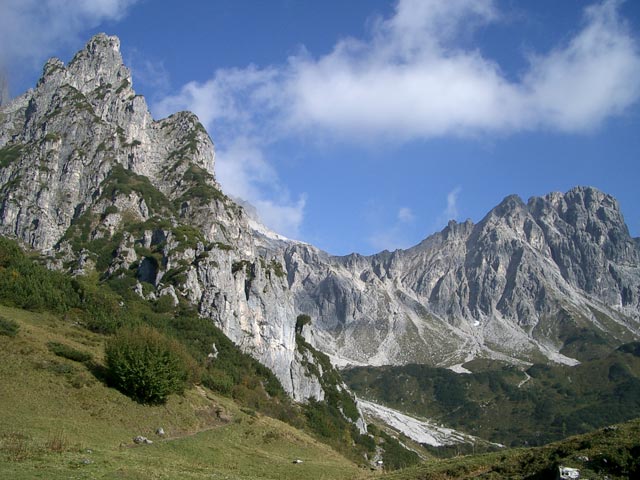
<point x="500" y="403"/>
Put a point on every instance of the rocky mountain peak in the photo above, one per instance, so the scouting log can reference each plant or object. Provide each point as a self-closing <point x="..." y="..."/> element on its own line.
<point x="520" y="283"/>
<point x="587" y="199"/>
<point x="509" y="214"/>
<point x="508" y="204"/>
<point x="99" y="64"/>
<point x="88" y="177"/>
<point x="65" y="138"/>
<point x="587" y="219"/>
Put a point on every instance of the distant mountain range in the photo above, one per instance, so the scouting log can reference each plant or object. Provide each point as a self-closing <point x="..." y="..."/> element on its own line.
<point x="89" y="178"/>
<point x="550" y="279"/>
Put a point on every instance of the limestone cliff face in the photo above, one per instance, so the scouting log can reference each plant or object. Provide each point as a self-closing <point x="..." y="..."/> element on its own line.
<point x="62" y="139"/>
<point x="524" y="283"/>
<point x="90" y="178"/>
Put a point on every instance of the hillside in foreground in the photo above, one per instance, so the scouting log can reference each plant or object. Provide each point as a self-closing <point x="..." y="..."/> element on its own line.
<point x="60" y="421"/>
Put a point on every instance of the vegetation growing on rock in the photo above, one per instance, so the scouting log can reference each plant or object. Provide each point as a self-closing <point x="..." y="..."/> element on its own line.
<point x="506" y="405"/>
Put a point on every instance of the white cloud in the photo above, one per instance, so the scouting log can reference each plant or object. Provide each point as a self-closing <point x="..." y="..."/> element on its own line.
<point x="31" y="29"/>
<point x="283" y="218"/>
<point x="243" y="172"/>
<point x="451" y="212"/>
<point x="231" y="102"/>
<point x="417" y="23"/>
<point x="596" y="75"/>
<point x="405" y="215"/>
<point x="412" y="79"/>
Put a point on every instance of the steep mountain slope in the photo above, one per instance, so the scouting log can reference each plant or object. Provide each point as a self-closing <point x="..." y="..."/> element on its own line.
<point x="529" y="281"/>
<point x="90" y="178"/>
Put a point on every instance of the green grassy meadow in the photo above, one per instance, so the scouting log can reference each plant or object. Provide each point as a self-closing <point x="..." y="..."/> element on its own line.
<point x="60" y="421"/>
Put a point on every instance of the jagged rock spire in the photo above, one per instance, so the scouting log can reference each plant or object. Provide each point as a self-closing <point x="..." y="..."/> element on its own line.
<point x="4" y="88"/>
<point x="98" y="64"/>
<point x="83" y="160"/>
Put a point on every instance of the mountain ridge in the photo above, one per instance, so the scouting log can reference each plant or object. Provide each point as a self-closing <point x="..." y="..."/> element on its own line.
<point x="90" y="178"/>
<point x="549" y="232"/>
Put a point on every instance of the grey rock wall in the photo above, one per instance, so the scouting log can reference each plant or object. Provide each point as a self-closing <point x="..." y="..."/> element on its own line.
<point x="513" y="286"/>
<point x="83" y="160"/>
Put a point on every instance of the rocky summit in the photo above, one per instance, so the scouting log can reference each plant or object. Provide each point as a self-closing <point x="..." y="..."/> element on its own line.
<point x="546" y="280"/>
<point x="90" y="179"/>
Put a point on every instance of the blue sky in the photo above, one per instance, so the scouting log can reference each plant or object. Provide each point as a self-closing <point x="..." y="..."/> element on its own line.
<point x="360" y="125"/>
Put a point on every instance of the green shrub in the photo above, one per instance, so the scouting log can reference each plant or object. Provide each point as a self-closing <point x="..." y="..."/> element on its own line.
<point x="124" y="181"/>
<point x="101" y="307"/>
<point x="146" y="365"/>
<point x="218" y="380"/>
<point x="68" y="352"/>
<point x="8" y="327"/>
<point x="111" y="209"/>
<point x="26" y="284"/>
<point x="164" y="304"/>
<point x="396" y="455"/>
<point x="301" y="321"/>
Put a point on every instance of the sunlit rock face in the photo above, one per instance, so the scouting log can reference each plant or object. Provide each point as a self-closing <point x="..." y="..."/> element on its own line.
<point x="519" y="285"/>
<point x="83" y="160"/>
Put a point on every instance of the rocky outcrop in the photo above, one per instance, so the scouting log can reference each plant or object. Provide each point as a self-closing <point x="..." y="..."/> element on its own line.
<point x="90" y="178"/>
<point x="523" y="283"/>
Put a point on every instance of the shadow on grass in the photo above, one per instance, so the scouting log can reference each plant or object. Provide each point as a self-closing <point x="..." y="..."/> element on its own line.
<point x="100" y="372"/>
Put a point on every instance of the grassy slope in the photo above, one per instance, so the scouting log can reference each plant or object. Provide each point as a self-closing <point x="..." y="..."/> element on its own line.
<point x="612" y="452"/>
<point x="59" y="421"/>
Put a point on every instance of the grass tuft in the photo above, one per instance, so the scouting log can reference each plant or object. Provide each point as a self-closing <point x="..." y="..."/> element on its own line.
<point x="8" y="327"/>
<point x="57" y="442"/>
<point x="68" y="352"/>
